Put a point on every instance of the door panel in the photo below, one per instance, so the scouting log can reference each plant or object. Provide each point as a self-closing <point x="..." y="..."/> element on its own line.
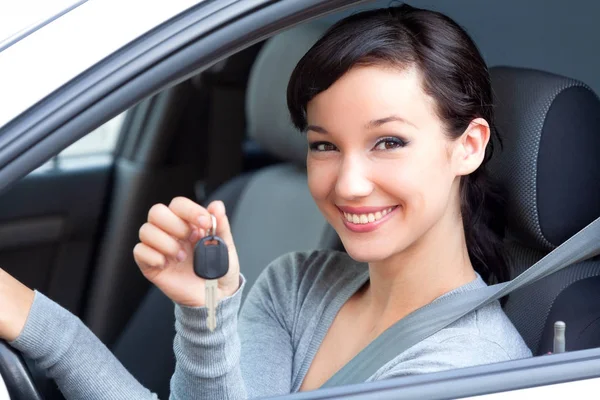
<point x="48" y="224"/>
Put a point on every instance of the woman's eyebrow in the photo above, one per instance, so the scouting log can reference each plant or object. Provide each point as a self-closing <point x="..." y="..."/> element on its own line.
<point x="372" y="124"/>
<point x="392" y="118"/>
<point x="316" y="128"/>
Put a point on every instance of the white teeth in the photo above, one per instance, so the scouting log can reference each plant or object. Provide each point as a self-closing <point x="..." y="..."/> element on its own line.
<point x="367" y="218"/>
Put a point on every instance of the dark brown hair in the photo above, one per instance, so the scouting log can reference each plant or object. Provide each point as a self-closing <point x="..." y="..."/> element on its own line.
<point x="453" y="73"/>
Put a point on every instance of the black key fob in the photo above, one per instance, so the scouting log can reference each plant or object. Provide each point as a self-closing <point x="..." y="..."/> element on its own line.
<point x="211" y="259"/>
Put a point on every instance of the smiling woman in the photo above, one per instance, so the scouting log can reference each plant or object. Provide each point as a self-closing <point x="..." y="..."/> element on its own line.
<point x="414" y="80"/>
<point x="395" y="104"/>
<point x="399" y="123"/>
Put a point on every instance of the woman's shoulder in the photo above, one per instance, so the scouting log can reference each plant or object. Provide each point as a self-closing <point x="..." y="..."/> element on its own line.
<point x="305" y="282"/>
<point x="488" y="326"/>
<point x="485" y="336"/>
<point x="309" y="275"/>
<point x="485" y="332"/>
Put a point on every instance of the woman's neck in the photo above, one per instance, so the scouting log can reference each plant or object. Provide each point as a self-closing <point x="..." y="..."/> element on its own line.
<point x="436" y="264"/>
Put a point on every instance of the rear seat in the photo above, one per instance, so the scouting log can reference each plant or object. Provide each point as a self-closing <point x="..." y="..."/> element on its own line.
<point x="271" y="210"/>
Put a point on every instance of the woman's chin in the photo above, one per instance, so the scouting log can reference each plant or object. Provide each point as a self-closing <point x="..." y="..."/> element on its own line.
<point x="365" y="254"/>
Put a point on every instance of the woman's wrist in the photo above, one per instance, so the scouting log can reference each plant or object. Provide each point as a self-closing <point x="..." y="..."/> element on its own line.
<point x="16" y="300"/>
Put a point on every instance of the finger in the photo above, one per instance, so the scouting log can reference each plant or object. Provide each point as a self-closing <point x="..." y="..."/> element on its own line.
<point x="162" y="242"/>
<point x="147" y="258"/>
<point x="217" y="208"/>
<point x="190" y="212"/>
<point x="162" y="217"/>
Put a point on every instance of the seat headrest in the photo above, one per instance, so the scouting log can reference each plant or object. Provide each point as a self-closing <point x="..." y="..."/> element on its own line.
<point x="269" y="122"/>
<point x="550" y="164"/>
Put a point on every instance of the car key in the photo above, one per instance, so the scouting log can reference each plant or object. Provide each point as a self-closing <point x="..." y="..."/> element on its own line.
<point x="211" y="262"/>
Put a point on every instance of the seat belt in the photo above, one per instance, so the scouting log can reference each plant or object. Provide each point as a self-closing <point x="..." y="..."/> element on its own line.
<point x="442" y="312"/>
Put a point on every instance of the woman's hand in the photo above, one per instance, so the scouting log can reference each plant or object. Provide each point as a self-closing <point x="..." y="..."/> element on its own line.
<point x="15" y="302"/>
<point x="165" y="254"/>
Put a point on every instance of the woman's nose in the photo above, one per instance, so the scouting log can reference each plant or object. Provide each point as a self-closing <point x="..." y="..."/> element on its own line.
<point x="353" y="180"/>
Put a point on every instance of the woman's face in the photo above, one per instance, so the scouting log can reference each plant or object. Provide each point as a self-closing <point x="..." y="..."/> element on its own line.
<point x="380" y="167"/>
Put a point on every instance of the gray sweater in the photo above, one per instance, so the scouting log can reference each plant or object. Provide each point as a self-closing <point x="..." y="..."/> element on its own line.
<point x="268" y="348"/>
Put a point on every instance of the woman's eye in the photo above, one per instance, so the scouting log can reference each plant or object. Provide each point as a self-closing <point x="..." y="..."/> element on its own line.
<point x="390" y="143"/>
<point x="322" y="146"/>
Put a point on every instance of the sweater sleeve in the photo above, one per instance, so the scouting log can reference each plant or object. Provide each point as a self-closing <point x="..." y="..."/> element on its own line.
<point x="209" y="365"/>
<point x="73" y="356"/>
<point x="246" y="357"/>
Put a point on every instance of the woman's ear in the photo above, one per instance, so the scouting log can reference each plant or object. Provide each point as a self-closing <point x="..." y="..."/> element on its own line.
<point x="470" y="149"/>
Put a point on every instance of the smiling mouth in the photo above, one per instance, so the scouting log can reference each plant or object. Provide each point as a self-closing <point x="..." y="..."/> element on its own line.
<point x="364" y="219"/>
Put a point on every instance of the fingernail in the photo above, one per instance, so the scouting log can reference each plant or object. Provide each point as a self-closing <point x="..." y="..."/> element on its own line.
<point x="193" y="235"/>
<point x="202" y="221"/>
<point x="181" y="256"/>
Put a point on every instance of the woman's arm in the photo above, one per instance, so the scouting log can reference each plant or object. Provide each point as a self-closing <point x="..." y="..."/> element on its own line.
<point x="15" y="302"/>
<point x="244" y="358"/>
<point x="208" y="363"/>
<point x="61" y="344"/>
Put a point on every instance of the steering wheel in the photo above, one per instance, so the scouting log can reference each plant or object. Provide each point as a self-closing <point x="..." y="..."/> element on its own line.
<point x="16" y="375"/>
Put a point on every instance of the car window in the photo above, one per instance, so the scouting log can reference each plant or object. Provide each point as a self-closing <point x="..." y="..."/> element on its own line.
<point x="93" y="149"/>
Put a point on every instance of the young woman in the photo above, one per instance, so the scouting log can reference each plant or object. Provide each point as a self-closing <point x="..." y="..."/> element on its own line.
<point x="397" y="108"/>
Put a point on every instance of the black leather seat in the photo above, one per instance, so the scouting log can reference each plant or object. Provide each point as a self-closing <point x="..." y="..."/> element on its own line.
<point x="550" y="169"/>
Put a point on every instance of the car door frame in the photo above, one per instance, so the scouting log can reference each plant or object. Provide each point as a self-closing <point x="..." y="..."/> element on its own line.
<point x="517" y="375"/>
<point x="173" y="52"/>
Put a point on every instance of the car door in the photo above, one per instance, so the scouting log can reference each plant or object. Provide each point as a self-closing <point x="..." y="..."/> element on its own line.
<point x="51" y="219"/>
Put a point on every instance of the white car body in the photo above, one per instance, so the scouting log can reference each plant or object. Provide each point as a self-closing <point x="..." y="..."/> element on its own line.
<point x="3" y="391"/>
<point x="36" y="65"/>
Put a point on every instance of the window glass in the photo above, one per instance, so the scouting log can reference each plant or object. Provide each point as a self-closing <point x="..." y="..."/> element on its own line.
<point x="95" y="148"/>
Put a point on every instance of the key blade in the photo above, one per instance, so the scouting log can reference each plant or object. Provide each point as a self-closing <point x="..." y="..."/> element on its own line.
<point x="211" y="304"/>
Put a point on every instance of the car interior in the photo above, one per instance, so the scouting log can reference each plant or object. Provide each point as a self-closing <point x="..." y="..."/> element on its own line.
<point x="225" y="134"/>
